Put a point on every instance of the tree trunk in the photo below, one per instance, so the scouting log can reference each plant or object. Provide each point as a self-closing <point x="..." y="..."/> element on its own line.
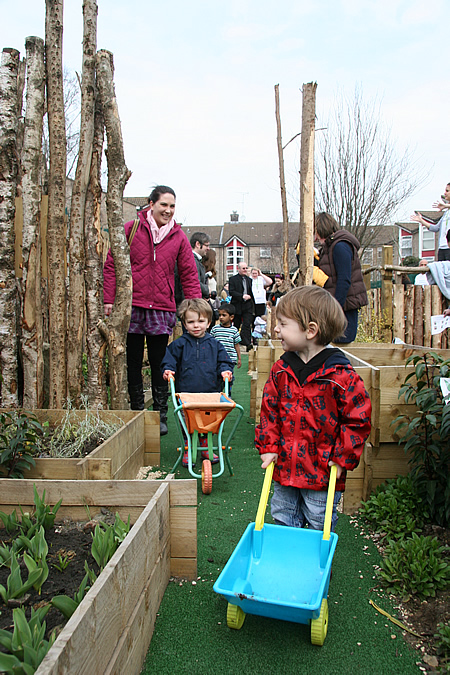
<point x="56" y="202"/>
<point x="116" y="328"/>
<point x="76" y="305"/>
<point x="32" y="326"/>
<point x="20" y="120"/>
<point x="285" y="247"/>
<point x="95" y="344"/>
<point x="306" y="230"/>
<point x="8" y="183"/>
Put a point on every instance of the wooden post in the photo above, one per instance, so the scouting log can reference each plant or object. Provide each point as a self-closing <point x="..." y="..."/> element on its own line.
<point x="399" y="312"/>
<point x="77" y="262"/>
<point x="285" y="247"/>
<point x="418" y="315"/>
<point x="306" y="229"/>
<point x="32" y="323"/>
<point x="426" y="316"/>
<point x="409" y="313"/>
<point x="9" y="168"/>
<point x="56" y="202"/>
<point x="386" y="289"/>
<point x="436" y="308"/>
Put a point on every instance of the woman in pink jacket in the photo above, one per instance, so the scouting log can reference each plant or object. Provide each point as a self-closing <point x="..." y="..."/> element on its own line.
<point x="157" y="245"/>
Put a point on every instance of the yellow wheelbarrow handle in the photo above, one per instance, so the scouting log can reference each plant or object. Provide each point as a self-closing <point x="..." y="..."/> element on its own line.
<point x="329" y="506"/>
<point x="264" y="497"/>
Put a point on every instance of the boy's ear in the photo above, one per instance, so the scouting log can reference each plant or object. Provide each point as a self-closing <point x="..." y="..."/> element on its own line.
<point x="312" y="330"/>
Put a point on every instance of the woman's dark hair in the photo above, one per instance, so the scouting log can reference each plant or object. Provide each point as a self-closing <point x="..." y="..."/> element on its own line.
<point x="159" y="190"/>
<point x="325" y="225"/>
<point x="209" y="261"/>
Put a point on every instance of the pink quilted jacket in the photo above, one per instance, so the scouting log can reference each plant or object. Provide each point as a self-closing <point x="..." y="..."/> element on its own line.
<point x="153" y="268"/>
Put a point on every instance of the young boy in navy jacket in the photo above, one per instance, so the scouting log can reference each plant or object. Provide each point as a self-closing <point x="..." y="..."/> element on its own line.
<point x="315" y="411"/>
<point x="196" y="360"/>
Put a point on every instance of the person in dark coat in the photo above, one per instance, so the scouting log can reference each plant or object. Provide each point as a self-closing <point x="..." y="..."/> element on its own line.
<point x="240" y="288"/>
<point x="339" y="260"/>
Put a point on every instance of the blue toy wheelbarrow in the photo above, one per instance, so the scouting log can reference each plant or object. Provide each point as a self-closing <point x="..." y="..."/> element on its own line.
<point x="281" y="572"/>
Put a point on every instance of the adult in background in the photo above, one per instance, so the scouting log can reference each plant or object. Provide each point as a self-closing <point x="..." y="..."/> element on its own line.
<point x="259" y="284"/>
<point x="199" y="242"/>
<point x="209" y="263"/>
<point x="339" y="259"/>
<point x="280" y="287"/>
<point x="442" y="226"/>
<point x="240" y="287"/>
<point x="158" y="244"/>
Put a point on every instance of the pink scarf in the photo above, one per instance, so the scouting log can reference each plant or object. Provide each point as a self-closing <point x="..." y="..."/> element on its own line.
<point x="158" y="233"/>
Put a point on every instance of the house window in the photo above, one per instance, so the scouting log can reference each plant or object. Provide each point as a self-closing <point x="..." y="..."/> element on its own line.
<point x="230" y="256"/>
<point x="428" y="241"/>
<point x="265" y="252"/>
<point x="406" y="244"/>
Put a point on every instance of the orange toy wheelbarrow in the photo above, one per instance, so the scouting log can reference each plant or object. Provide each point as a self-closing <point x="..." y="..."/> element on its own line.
<point x="204" y="414"/>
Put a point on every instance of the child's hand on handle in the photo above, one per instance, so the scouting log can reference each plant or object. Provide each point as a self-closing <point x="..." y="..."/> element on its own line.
<point x="167" y="374"/>
<point x="227" y="374"/>
<point x="267" y="458"/>
<point x="339" y="469"/>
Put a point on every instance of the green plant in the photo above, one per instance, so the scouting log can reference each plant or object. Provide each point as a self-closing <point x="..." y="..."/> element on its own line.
<point x="75" y="431"/>
<point x="44" y="514"/>
<point x="415" y="566"/>
<point x="394" y="508"/>
<point x="443" y="646"/>
<point x="26" y="644"/>
<point x="62" y="564"/>
<point x="121" y="529"/>
<point x="104" y="544"/>
<point x="38" y="548"/>
<point x="18" y="442"/>
<point x="424" y="433"/>
<point x="10" y="521"/>
<point x="15" y="587"/>
<point x="67" y="605"/>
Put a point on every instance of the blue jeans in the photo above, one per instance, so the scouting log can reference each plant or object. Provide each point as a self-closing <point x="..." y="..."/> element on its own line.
<point x="295" y="507"/>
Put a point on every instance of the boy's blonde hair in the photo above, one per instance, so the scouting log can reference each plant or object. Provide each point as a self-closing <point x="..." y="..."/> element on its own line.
<point x="197" y="305"/>
<point x="312" y="303"/>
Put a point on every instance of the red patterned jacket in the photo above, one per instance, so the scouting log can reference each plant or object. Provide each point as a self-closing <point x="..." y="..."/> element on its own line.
<point x="326" y="417"/>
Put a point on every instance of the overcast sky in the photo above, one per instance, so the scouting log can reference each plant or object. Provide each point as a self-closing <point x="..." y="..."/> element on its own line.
<point x="195" y="87"/>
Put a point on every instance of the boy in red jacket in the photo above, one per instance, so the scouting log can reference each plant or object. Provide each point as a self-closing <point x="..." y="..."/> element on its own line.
<point x="315" y="411"/>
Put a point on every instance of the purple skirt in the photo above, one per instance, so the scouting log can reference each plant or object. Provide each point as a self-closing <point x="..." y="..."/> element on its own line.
<point x="151" y="321"/>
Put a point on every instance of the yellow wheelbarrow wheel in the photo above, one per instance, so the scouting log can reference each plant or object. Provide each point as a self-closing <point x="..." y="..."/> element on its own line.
<point x="319" y="626"/>
<point x="235" y="616"/>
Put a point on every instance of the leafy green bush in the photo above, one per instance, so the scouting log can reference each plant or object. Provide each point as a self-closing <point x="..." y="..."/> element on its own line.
<point x="425" y="433"/>
<point x="443" y="647"/>
<point x="26" y="646"/>
<point x="415" y="566"/>
<point x="18" y="443"/>
<point x="394" y="508"/>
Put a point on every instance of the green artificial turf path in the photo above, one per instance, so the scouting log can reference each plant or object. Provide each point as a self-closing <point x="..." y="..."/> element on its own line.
<point x="191" y="633"/>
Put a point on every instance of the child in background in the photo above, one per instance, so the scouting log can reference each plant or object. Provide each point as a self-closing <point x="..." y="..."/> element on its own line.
<point x="196" y="360"/>
<point x="227" y="334"/>
<point x="259" y="329"/>
<point x="315" y="411"/>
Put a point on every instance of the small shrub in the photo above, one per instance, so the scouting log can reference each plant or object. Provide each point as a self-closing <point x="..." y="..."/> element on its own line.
<point x="443" y="647"/>
<point x="415" y="566"/>
<point x="425" y="433"/>
<point x="18" y="443"/>
<point x="394" y="508"/>
<point x="372" y="327"/>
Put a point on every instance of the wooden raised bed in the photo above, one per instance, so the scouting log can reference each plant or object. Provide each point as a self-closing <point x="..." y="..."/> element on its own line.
<point x="382" y="368"/>
<point x="119" y="457"/>
<point x="112" y="628"/>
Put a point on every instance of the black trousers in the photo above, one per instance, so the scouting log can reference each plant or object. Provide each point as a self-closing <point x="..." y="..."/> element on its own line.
<point x="443" y="254"/>
<point x="244" y="322"/>
<point x="156" y="347"/>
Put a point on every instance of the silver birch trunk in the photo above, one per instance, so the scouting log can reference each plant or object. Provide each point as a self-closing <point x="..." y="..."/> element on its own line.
<point x="306" y="229"/>
<point x="8" y="183"/>
<point x="116" y="328"/>
<point x="76" y="304"/>
<point x="56" y="202"/>
<point x="95" y="344"/>
<point x="32" y="324"/>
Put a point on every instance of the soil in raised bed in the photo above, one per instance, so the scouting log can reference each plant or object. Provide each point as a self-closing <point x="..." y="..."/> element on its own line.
<point x="67" y="539"/>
